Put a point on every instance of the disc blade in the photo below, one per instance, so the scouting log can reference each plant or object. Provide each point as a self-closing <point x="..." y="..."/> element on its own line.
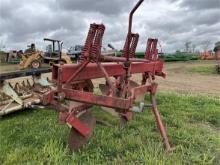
<point x="122" y="122"/>
<point x="76" y="140"/>
<point x="133" y="84"/>
<point x="139" y="97"/>
<point x="105" y="89"/>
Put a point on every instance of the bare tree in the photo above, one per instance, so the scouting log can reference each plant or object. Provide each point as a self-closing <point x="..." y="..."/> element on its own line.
<point x="205" y="45"/>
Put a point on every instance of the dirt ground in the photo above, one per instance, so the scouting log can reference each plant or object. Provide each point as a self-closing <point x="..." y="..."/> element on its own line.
<point x="178" y="79"/>
<point x="8" y="67"/>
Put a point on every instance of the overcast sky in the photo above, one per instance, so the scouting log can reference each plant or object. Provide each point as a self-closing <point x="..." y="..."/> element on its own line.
<point x="173" y="22"/>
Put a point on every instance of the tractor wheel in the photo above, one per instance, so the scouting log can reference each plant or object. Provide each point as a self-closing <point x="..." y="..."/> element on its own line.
<point x="35" y="64"/>
<point x="62" y="62"/>
<point x="76" y="140"/>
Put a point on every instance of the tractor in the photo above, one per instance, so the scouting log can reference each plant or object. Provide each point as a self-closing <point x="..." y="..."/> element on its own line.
<point x="33" y="58"/>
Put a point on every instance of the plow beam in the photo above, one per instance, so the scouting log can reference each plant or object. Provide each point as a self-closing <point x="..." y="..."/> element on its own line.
<point x="101" y="100"/>
<point x="90" y="98"/>
<point x="113" y="69"/>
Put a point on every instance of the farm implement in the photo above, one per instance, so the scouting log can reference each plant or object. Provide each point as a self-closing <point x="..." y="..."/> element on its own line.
<point x="22" y="89"/>
<point x="74" y="93"/>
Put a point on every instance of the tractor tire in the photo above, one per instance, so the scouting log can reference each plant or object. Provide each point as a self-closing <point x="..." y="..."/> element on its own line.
<point x="62" y="62"/>
<point x="35" y="64"/>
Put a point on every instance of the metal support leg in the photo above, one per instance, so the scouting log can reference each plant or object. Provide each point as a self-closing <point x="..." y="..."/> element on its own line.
<point x="160" y="123"/>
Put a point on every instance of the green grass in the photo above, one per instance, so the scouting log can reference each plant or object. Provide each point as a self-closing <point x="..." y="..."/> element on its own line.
<point x="193" y="125"/>
<point x="203" y="70"/>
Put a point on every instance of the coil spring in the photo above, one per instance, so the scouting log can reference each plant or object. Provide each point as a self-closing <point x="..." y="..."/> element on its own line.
<point x="155" y="50"/>
<point x="148" y="49"/>
<point x="133" y="46"/>
<point x="96" y="47"/>
<point x="88" y="42"/>
<point x="151" y="49"/>
<point x="124" y="51"/>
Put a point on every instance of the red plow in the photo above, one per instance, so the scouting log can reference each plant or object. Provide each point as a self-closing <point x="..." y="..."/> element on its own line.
<point x="74" y="95"/>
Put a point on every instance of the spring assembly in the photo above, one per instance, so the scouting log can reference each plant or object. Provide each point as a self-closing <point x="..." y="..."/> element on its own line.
<point x="132" y="46"/>
<point x="96" y="46"/>
<point x="88" y="43"/>
<point x="151" y="49"/>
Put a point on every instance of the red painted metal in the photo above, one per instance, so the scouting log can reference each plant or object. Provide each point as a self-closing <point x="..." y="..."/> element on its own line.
<point x="87" y="47"/>
<point x="91" y="71"/>
<point x="129" y="35"/>
<point x="91" y="98"/>
<point x="132" y="47"/>
<point x="79" y="126"/>
<point x="121" y="95"/>
<point x="160" y="124"/>
<point x="62" y="117"/>
<point x="151" y="49"/>
<point x="134" y="43"/>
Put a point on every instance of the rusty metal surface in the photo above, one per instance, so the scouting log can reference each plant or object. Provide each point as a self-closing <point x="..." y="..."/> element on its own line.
<point x="151" y="49"/>
<point x="17" y="93"/>
<point x="76" y="140"/>
<point x="112" y="69"/>
<point x="159" y="122"/>
<point x="78" y="125"/>
<point x="74" y="95"/>
<point x="119" y="92"/>
<point x="90" y="98"/>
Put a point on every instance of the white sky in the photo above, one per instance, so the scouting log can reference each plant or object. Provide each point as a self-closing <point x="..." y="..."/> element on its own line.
<point x="173" y="22"/>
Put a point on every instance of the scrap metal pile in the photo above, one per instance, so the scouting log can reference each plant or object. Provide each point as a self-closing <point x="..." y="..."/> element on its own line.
<point x="74" y="94"/>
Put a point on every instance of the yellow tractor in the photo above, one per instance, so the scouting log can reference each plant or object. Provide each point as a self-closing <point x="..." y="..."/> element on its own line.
<point x="34" y="59"/>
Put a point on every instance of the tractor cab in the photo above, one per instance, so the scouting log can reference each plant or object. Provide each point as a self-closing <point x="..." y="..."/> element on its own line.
<point x="54" y="49"/>
<point x="30" y="48"/>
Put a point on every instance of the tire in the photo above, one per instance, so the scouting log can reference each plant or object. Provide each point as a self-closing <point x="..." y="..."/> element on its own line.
<point x="62" y="61"/>
<point x="35" y="64"/>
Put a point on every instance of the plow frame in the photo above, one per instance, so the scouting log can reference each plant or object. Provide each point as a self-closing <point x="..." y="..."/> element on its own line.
<point x="120" y="95"/>
<point x="74" y="95"/>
